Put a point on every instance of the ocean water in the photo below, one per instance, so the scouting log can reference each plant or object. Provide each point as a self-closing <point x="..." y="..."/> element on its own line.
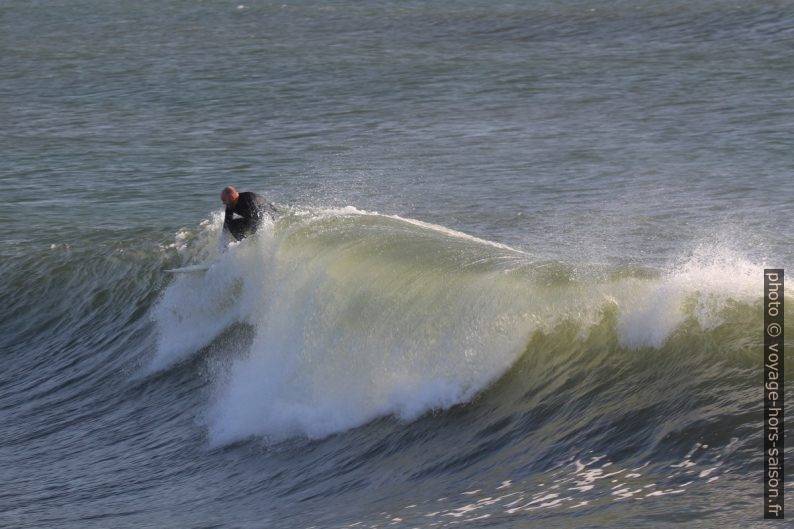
<point x="516" y="282"/>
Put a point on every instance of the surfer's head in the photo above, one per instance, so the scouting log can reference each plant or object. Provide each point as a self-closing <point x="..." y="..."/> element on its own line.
<point x="229" y="196"/>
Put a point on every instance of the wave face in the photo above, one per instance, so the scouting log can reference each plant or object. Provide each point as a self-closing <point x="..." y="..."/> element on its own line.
<point x="396" y="366"/>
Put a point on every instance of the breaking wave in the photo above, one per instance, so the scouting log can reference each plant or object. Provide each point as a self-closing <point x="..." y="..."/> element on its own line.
<point x="347" y="316"/>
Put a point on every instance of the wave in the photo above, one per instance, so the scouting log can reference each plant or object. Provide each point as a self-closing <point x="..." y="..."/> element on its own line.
<point x="357" y="315"/>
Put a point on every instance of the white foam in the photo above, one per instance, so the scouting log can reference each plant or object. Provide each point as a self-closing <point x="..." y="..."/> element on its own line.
<point x="197" y="307"/>
<point x="700" y="284"/>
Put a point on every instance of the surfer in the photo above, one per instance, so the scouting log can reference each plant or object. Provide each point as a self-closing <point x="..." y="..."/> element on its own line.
<point x="251" y="209"/>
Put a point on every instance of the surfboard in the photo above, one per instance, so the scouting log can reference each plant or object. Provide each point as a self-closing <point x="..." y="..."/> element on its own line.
<point x="192" y="269"/>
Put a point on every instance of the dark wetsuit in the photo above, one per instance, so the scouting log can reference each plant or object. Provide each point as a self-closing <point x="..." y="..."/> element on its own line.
<point x="251" y="208"/>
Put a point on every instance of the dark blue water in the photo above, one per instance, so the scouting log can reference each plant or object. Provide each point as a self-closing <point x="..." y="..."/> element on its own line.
<point x="517" y="281"/>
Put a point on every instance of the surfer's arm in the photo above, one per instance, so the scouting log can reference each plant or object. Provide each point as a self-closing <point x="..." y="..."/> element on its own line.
<point x="227" y="219"/>
<point x="236" y="227"/>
